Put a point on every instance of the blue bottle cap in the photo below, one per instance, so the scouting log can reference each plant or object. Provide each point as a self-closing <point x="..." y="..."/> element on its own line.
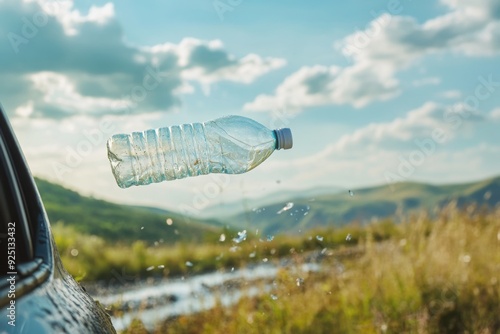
<point x="283" y="139"/>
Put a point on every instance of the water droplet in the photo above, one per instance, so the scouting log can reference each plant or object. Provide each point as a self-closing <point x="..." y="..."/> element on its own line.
<point x="274" y="297"/>
<point x="74" y="252"/>
<point x="319" y="238"/>
<point x="232" y="269"/>
<point x="252" y="255"/>
<point x="142" y="227"/>
<point x="287" y="207"/>
<point x="189" y="264"/>
<point x="348" y="237"/>
<point x="222" y="237"/>
<point x="161" y="266"/>
<point x="307" y="208"/>
<point x="150" y="268"/>
<point x="169" y="221"/>
<point x="351" y="193"/>
<point x="465" y="258"/>
<point x="270" y="237"/>
<point x="299" y="281"/>
<point x="242" y="236"/>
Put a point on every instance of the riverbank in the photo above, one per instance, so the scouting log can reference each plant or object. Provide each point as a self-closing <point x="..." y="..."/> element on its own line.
<point x="151" y="301"/>
<point x="437" y="275"/>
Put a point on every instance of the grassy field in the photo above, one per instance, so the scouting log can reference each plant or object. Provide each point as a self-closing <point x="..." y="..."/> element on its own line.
<point x="422" y="276"/>
<point x="91" y="258"/>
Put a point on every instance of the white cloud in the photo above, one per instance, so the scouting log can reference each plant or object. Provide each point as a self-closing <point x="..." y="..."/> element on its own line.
<point x="73" y="62"/>
<point x="490" y="8"/>
<point x="477" y="161"/>
<point x="71" y="18"/>
<point x="59" y="90"/>
<point x="304" y="88"/>
<point x="363" y="156"/>
<point x="245" y="70"/>
<point x="426" y="81"/>
<point x="25" y="110"/>
<point x="495" y="114"/>
<point x="451" y="94"/>
<point x="390" y="44"/>
<point x="207" y="62"/>
<point x="400" y="134"/>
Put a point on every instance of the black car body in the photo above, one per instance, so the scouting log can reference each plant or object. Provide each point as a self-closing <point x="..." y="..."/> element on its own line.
<point x="37" y="295"/>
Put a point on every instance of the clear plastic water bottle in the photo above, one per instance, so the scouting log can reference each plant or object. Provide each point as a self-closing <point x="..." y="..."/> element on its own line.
<point x="231" y="145"/>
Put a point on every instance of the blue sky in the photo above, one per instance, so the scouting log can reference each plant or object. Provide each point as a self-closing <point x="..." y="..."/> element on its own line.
<point x="374" y="92"/>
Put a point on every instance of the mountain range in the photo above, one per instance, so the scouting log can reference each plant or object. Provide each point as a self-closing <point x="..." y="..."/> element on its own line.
<point x="274" y="214"/>
<point x="364" y="205"/>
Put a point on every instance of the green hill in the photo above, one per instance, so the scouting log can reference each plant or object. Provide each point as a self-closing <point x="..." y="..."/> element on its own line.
<point x="116" y="222"/>
<point x="366" y="204"/>
<point x="122" y="223"/>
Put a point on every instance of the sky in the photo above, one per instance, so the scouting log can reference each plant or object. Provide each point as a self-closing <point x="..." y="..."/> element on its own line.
<point x="374" y="92"/>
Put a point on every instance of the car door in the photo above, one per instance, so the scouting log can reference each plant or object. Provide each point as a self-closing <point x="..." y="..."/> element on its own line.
<point x="37" y="295"/>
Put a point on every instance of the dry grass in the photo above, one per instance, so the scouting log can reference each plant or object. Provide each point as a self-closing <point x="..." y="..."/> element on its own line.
<point x="438" y="275"/>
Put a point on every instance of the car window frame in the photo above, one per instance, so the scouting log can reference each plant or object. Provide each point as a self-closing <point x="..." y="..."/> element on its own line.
<point x="34" y="256"/>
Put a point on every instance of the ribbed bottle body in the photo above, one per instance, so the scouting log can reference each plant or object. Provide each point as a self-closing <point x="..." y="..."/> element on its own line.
<point x="157" y="155"/>
<point x="230" y="145"/>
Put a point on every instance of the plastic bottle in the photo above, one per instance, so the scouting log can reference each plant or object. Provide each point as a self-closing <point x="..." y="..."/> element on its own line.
<point x="231" y="145"/>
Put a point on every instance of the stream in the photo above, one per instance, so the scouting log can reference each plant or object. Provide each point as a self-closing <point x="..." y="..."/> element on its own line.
<point x="166" y="298"/>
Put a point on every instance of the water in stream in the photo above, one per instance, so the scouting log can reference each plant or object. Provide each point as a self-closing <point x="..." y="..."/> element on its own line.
<point x="152" y="303"/>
